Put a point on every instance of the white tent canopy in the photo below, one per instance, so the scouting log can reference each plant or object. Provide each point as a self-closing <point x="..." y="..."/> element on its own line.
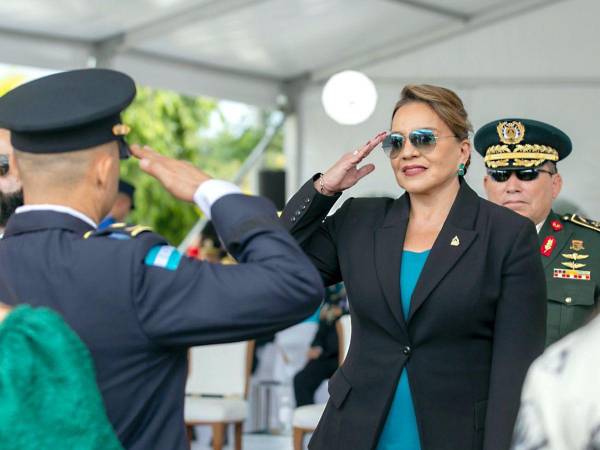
<point x="530" y="58"/>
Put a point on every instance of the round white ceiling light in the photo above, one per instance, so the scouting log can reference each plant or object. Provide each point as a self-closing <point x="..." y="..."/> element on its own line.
<point x="349" y="97"/>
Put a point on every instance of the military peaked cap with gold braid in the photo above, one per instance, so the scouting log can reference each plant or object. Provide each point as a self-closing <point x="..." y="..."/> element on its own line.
<point x="582" y="221"/>
<point x="118" y="231"/>
<point x="520" y="143"/>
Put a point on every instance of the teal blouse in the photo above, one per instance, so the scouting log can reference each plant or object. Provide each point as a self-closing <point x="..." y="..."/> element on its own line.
<point x="48" y="394"/>
<point x="400" y="431"/>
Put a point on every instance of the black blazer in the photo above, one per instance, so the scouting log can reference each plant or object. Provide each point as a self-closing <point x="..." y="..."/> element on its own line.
<point x="476" y="320"/>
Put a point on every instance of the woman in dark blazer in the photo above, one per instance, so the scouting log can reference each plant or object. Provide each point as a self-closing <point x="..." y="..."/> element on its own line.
<point x="440" y="342"/>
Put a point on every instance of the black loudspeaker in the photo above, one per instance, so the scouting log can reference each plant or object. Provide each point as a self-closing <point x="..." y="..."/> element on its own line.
<point x="271" y="184"/>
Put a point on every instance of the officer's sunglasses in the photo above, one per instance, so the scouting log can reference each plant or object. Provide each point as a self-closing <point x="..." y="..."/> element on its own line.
<point x="502" y="175"/>
<point x="422" y="139"/>
<point x="4" y="165"/>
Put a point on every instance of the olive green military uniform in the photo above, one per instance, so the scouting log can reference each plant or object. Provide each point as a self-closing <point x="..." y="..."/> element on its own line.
<point x="569" y="244"/>
<point x="572" y="267"/>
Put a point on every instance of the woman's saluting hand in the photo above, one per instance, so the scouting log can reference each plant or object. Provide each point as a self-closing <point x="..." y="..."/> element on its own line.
<point x="345" y="172"/>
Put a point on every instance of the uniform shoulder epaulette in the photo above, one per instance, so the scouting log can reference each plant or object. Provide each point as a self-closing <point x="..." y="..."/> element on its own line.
<point x="119" y="231"/>
<point x="582" y="221"/>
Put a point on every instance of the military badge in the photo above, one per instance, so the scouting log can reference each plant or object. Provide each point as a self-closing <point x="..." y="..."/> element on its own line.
<point x="575" y="256"/>
<point x="573" y="265"/>
<point x="556" y="225"/>
<point x="511" y="132"/>
<point x="548" y="246"/>
<point x="576" y="245"/>
<point x="121" y="129"/>
<point x="574" y="259"/>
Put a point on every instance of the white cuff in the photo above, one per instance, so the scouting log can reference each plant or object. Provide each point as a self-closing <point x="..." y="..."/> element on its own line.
<point x="212" y="190"/>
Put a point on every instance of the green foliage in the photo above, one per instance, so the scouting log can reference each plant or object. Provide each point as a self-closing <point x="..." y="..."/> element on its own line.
<point x="169" y="123"/>
<point x="172" y="124"/>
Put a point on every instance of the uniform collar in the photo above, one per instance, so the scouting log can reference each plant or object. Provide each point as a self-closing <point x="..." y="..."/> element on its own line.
<point x="545" y="228"/>
<point x="45" y="219"/>
<point x="539" y="226"/>
<point x="57" y="208"/>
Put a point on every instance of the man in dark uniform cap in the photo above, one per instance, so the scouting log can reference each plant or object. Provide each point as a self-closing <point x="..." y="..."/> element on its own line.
<point x="521" y="158"/>
<point x="124" y="204"/>
<point x="135" y="301"/>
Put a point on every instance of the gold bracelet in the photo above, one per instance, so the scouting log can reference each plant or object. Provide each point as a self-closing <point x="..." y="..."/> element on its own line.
<point x="322" y="183"/>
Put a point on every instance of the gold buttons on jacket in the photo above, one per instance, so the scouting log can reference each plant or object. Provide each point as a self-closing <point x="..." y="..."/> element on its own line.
<point x="568" y="300"/>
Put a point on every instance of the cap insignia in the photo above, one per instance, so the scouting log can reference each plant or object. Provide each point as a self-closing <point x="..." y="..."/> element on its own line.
<point x="121" y="129"/>
<point x="511" y="132"/>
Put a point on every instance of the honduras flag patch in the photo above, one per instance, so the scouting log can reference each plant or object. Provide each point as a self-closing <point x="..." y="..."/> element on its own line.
<point x="164" y="256"/>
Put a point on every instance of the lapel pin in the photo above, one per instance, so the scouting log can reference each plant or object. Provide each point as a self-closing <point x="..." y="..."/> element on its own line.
<point x="455" y="241"/>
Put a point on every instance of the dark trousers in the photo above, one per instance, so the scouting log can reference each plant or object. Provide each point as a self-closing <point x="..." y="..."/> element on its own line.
<point x="308" y="380"/>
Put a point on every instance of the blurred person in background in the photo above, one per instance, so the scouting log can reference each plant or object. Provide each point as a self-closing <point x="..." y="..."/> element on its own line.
<point x="207" y="246"/>
<point x="447" y="291"/>
<point x="323" y="355"/>
<point x="11" y="194"/>
<point x="521" y="157"/>
<point x="124" y="204"/>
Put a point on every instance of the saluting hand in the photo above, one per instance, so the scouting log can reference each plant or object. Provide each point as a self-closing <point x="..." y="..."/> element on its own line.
<point x="345" y="173"/>
<point x="180" y="178"/>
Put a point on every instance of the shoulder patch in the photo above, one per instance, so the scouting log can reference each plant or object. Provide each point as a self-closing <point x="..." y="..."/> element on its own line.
<point x="582" y="221"/>
<point x="164" y="256"/>
<point x="120" y="231"/>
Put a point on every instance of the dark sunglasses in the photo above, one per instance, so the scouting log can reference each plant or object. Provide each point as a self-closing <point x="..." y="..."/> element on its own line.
<point x="502" y="175"/>
<point x="4" y="165"/>
<point x="423" y="139"/>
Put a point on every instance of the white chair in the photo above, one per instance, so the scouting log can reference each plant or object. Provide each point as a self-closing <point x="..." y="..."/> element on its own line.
<point x="216" y="389"/>
<point x="306" y="418"/>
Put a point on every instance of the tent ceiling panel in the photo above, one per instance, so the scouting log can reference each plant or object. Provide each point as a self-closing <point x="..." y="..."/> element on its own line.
<point x="464" y="7"/>
<point x="85" y="20"/>
<point x="212" y="45"/>
<point x="487" y="55"/>
<point x="287" y="39"/>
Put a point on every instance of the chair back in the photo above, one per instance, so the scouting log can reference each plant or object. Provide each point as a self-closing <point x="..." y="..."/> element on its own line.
<point x="344" y="331"/>
<point x="220" y="369"/>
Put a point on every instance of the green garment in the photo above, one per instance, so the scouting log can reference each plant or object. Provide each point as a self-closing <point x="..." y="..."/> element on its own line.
<point x="570" y="261"/>
<point x="48" y="393"/>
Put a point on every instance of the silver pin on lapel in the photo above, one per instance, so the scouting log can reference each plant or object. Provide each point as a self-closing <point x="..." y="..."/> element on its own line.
<point x="455" y="242"/>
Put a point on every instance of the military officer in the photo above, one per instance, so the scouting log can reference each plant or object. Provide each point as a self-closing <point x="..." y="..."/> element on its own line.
<point x="521" y="157"/>
<point x="134" y="300"/>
